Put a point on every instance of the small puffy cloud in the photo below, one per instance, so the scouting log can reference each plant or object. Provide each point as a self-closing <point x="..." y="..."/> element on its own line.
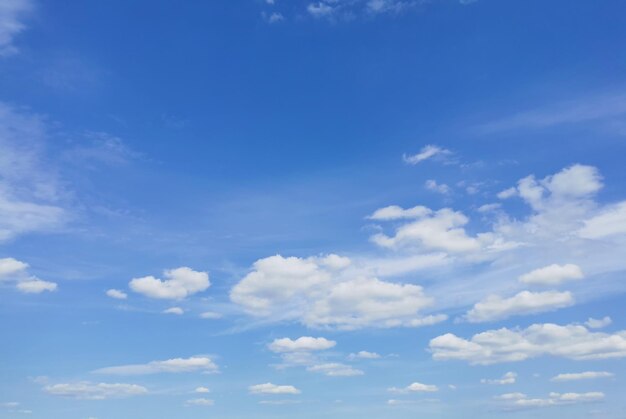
<point x="335" y="369"/>
<point x="269" y="388"/>
<point x="95" y="391"/>
<point x="427" y="152"/>
<point x="302" y="344"/>
<point x="609" y="222"/>
<point x="415" y="388"/>
<point x="507" y="193"/>
<point x="320" y="9"/>
<point x="587" y="375"/>
<point x="210" y="315"/>
<point x="117" y="294"/>
<point x="554" y="399"/>
<point x="511" y="396"/>
<point x="14" y="270"/>
<point x="174" y="310"/>
<point x="35" y="286"/>
<point x="513" y="345"/>
<point x="495" y="307"/>
<point x="199" y="402"/>
<point x="394" y="212"/>
<point x="12" y="14"/>
<point x="442" y="230"/>
<point x="364" y="355"/>
<point x="176" y="365"/>
<point x="202" y="390"/>
<point x="489" y="208"/>
<point x="598" y="323"/>
<point x="508" y="378"/>
<point x="180" y="283"/>
<point x="441" y="188"/>
<point x="274" y="17"/>
<point x="553" y="275"/>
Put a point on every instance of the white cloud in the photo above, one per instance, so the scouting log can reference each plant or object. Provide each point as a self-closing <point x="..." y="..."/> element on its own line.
<point x="117" y="294"/>
<point x="511" y="396"/>
<point x="269" y="388"/>
<point x="180" y="283"/>
<point x="29" y="190"/>
<point x="364" y="355"/>
<point x="587" y="375"/>
<point x="394" y="212"/>
<point x="554" y="399"/>
<point x="508" y="378"/>
<point x="320" y="292"/>
<point x="12" y="13"/>
<point x="495" y="307"/>
<point x="507" y="193"/>
<point x="512" y="345"/>
<point x="174" y="310"/>
<point x="598" y="323"/>
<point x="210" y="315"/>
<point x="199" y="402"/>
<point x="335" y="369"/>
<point x="302" y="344"/>
<point x="13" y="270"/>
<point x="443" y="230"/>
<point x="202" y="390"/>
<point x="427" y="152"/>
<point x="177" y="365"/>
<point x="95" y="391"/>
<point x="415" y="388"/>
<point x="553" y="275"/>
<point x="441" y="188"/>
<point x="320" y="9"/>
<point x="609" y="222"/>
<point x="35" y="286"/>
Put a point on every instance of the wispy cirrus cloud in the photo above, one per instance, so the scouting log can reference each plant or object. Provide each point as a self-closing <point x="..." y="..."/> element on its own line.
<point x="12" y="15"/>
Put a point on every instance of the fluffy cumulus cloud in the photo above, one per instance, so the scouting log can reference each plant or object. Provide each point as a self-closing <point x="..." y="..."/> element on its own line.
<point x="415" y="388"/>
<point x="302" y="344"/>
<point x="587" y="375"/>
<point x="323" y="292"/>
<point x="176" y="365"/>
<point x="95" y="391"/>
<point x="598" y="323"/>
<point x="269" y="388"/>
<point x="552" y="275"/>
<point x="511" y="345"/>
<point x="508" y="378"/>
<point x="179" y="283"/>
<point x="522" y="401"/>
<point x="117" y="294"/>
<point x="495" y="307"/>
<point x="16" y="272"/>
<point x="394" y="212"/>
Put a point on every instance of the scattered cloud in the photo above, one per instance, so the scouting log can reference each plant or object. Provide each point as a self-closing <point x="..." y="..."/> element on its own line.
<point x="494" y="307"/>
<point x="521" y="401"/>
<point x="427" y="152"/>
<point x="415" y="388"/>
<point x="274" y="17"/>
<point x="177" y="365"/>
<point x="199" y="402"/>
<point x="587" y="375"/>
<point x="15" y="271"/>
<point x="211" y="315"/>
<point x="364" y="355"/>
<point x="611" y="221"/>
<point x="174" y="310"/>
<point x="117" y="294"/>
<point x="508" y="378"/>
<point x="269" y="388"/>
<point x="394" y="212"/>
<point x="335" y="369"/>
<point x="513" y="345"/>
<point x="202" y="390"/>
<point x="440" y="188"/>
<point x="95" y="391"/>
<point x="552" y="275"/>
<point x="180" y="283"/>
<point x="302" y="344"/>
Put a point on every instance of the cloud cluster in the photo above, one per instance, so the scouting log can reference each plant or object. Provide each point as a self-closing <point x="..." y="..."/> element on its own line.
<point x="323" y="292"/>
<point x="511" y="345"/>
<point x="15" y="271"/>
<point x="180" y="283"/>
<point x="508" y="378"/>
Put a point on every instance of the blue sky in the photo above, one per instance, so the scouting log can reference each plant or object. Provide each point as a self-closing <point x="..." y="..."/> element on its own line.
<point x="279" y="209"/>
